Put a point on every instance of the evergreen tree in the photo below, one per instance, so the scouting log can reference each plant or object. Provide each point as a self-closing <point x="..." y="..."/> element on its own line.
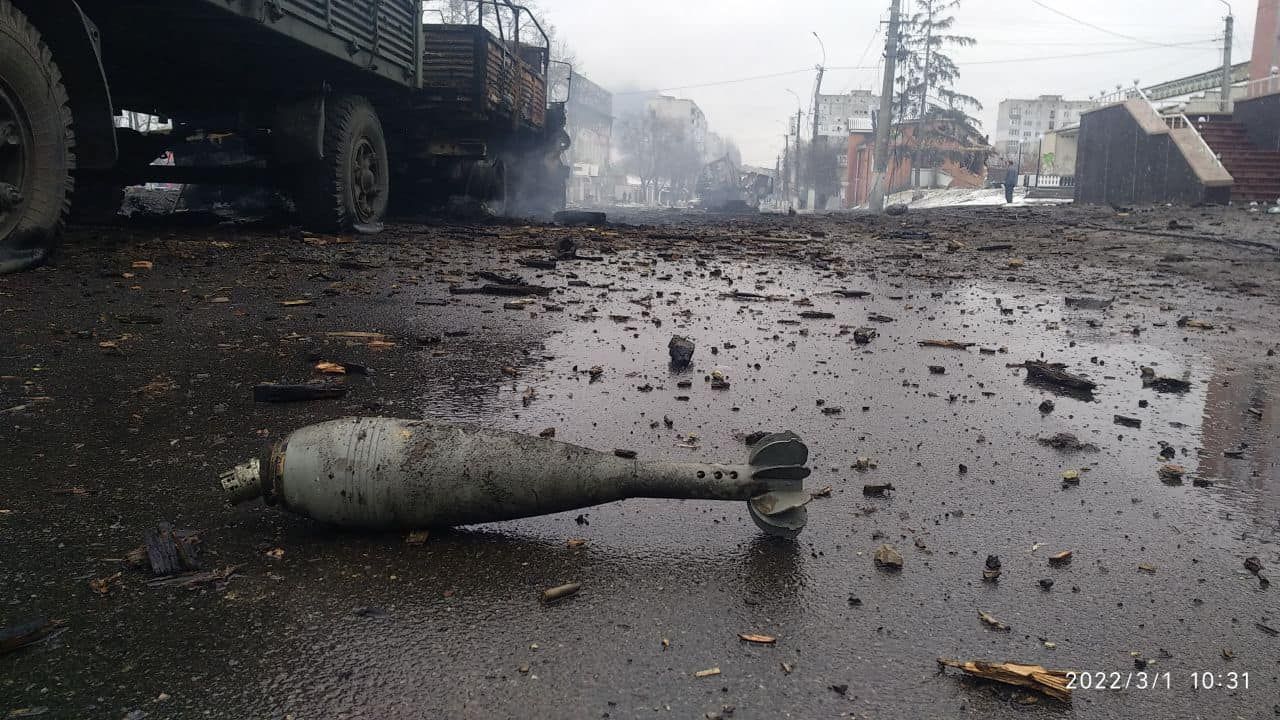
<point x="926" y="94"/>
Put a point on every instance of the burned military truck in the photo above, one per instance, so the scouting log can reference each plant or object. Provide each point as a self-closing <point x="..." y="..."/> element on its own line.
<point x="346" y="105"/>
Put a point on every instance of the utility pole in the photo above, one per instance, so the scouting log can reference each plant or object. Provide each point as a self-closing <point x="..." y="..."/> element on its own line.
<point x="799" y="175"/>
<point x="785" y="175"/>
<point x="885" y="120"/>
<point x="813" y="157"/>
<point x="1225" y="104"/>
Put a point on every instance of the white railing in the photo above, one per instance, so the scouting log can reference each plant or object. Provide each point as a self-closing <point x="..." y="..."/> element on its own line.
<point x="1122" y="95"/>
<point x="1177" y="121"/>
<point x="1262" y="86"/>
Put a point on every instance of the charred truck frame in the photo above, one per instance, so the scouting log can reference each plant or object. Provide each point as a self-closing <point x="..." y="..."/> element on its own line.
<point x="348" y="105"/>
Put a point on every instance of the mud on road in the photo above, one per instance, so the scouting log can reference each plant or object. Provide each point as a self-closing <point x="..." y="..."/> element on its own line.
<point x="126" y="385"/>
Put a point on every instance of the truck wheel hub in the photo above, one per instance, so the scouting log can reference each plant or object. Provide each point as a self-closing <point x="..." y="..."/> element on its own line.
<point x="16" y="143"/>
<point x="368" y="180"/>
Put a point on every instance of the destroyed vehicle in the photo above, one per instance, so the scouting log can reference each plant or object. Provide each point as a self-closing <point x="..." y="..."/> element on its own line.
<point x="347" y="106"/>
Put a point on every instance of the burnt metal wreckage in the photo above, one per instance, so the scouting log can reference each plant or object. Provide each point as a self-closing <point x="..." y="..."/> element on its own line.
<point x="391" y="474"/>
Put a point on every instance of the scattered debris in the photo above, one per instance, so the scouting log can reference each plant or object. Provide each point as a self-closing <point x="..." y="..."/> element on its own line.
<point x="417" y="538"/>
<point x="991" y="569"/>
<point x="1067" y="441"/>
<point x="878" y="490"/>
<point x="1166" y="384"/>
<point x="937" y="370"/>
<point x="856" y="294"/>
<point x="1253" y="564"/>
<point x="1053" y="683"/>
<point x="1090" y="303"/>
<point x="627" y="454"/>
<point x="1172" y="472"/>
<point x="578" y="218"/>
<point x="992" y="622"/>
<point x="757" y="639"/>
<point x="681" y="350"/>
<point x="20" y="635"/>
<point x="170" y="551"/>
<point x="1053" y="374"/>
<point x="1060" y="558"/>
<point x="1186" y="321"/>
<point x="278" y="393"/>
<point x="507" y="290"/>
<point x="707" y="673"/>
<point x="948" y="344"/>
<point x="1047" y="407"/>
<point x="1147" y="568"/>
<point x="1071" y="477"/>
<point x="560" y="592"/>
<point x="817" y="315"/>
<point x="102" y="585"/>
<point x="887" y="557"/>
<point x="1127" y="421"/>
<point x="994" y="247"/>
<point x="864" y="335"/>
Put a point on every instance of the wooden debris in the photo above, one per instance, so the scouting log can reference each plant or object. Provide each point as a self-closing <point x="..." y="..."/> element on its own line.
<point x="1053" y="374"/>
<point x="21" y="635"/>
<point x="948" y="344"/>
<point x="192" y="579"/>
<point x="1060" y="558"/>
<point x="991" y="622"/>
<point x="817" y="315"/>
<point x="707" y="673"/>
<point x="560" y="592"/>
<point x="1050" y="682"/>
<point x="278" y="393"/>
<point x="852" y="293"/>
<point x="417" y="538"/>
<point x="171" y="551"/>
<point x="757" y="639"/>
<point x="102" y="585"/>
<point x="508" y="290"/>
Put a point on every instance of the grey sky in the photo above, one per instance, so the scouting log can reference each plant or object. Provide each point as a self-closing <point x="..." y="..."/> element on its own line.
<point x="643" y="44"/>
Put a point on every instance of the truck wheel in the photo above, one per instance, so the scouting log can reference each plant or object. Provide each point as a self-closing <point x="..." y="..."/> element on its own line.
<point x="37" y="144"/>
<point x="350" y="187"/>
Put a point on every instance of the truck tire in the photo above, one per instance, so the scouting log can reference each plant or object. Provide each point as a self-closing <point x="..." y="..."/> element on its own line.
<point x="37" y="145"/>
<point x="350" y="187"/>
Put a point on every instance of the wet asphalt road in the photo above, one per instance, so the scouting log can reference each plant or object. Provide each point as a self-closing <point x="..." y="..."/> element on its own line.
<point x="141" y="416"/>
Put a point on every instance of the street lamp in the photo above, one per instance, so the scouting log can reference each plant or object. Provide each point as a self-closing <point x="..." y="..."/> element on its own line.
<point x="823" y="47"/>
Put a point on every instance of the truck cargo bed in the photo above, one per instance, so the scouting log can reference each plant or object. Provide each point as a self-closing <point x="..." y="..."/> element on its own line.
<point x="471" y="76"/>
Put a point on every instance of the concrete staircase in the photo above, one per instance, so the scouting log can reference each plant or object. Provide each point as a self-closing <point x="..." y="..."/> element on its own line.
<point x="1256" y="172"/>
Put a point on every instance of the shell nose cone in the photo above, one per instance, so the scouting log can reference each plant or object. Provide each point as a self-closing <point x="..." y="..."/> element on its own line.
<point x="242" y="483"/>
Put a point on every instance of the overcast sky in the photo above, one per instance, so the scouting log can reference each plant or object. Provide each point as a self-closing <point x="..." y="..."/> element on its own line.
<point x="668" y="44"/>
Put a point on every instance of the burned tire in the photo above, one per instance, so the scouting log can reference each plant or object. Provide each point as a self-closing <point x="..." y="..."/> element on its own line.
<point x="349" y="188"/>
<point x="37" y="144"/>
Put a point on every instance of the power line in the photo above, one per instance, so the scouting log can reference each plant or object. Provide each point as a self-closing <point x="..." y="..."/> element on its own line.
<point x="1099" y="27"/>
<point x="1199" y="44"/>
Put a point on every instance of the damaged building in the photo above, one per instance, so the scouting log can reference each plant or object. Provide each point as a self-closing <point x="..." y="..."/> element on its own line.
<point x="589" y="122"/>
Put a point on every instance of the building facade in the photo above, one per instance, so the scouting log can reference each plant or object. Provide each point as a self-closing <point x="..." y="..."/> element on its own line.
<point x="685" y="112"/>
<point x="1027" y="121"/>
<point x="839" y="115"/>
<point x="589" y="122"/>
